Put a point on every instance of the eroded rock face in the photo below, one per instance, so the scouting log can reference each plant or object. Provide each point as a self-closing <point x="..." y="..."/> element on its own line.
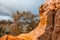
<point x="52" y="31"/>
<point x="53" y="20"/>
<point x="50" y="26"/>
<point x="56" y="31"/>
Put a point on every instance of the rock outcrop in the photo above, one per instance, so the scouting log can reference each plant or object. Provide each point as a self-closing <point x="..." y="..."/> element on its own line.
<point x="49" y="26"/>
<point x="52" y="31"/>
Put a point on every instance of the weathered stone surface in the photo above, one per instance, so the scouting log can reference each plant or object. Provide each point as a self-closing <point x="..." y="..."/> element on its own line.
<point x="52" y="31"/>
<point x="49" y="28"/>
<point x="13" y="38"/>
<point x="56" y="31"/>
<point x="4" y="37"/>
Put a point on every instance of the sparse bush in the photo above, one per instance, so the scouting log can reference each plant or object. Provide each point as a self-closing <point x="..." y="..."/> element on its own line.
<point x="23" y="23"/>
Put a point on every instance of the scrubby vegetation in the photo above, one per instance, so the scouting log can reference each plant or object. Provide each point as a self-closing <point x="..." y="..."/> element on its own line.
<point x="23" y="22"/>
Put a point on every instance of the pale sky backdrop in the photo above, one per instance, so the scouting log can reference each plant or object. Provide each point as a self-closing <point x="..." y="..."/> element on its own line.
<point x="7" y="7"/>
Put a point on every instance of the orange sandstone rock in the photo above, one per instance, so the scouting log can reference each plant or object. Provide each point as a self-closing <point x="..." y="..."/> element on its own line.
<point x="4" y="37"/>
<point x="47" y="15"/>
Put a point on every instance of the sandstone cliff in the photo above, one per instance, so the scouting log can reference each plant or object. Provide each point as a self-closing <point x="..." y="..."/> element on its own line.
<point x="52" y="31"/>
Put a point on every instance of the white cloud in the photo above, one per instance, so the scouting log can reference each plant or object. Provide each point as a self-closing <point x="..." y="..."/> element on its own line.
<point x="5" y="14"/>
<point x="22" y="5"/>
<point x="4" y="11"/>
<point x="9" y="6"/>
<point x="6" y="18"/>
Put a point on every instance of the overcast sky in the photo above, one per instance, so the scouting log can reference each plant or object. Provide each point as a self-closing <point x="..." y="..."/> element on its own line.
<point x="10" y="6"/>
